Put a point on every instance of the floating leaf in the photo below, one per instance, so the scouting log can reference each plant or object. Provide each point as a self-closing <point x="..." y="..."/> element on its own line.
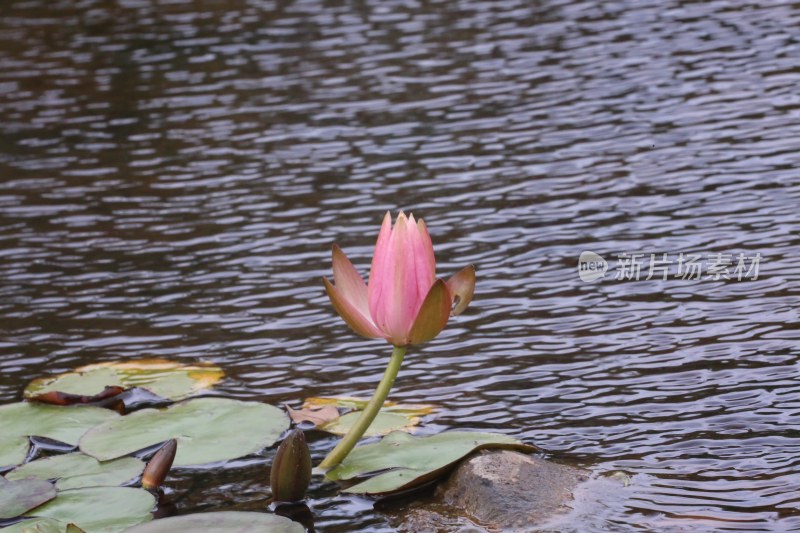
<point x="64" y="424"/>
<point x="316" y="415"/>
<point x="38" y="525"/>
<point x="208" y="430"/>
<point x="168" y="379"/>
<point x="43" y="525"/>
<point x="358" y="404"/>
<point x="404" y="462"/>
<point x="76" y="470"/>
<point x="383" y="424"/>
<point x="221" y="522"/>
<point x="324" y="413"/>
<point x="18" y="497"/>
<point x="99" y="509"/>
<point x="65" y="398"/>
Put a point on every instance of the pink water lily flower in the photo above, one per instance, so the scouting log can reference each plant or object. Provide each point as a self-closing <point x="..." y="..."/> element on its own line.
<point x="404" y="303"/>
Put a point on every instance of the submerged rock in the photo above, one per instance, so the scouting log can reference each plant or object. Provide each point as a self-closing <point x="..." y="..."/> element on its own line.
<point x="497" y="491"/>
<point x="434" y="518"/>
<point x="511" y="490"/>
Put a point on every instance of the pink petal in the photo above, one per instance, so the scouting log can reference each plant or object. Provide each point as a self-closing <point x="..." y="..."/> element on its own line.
<point x="349" y="282"/>
<point x="426" y="262"/>
<point x="352" y="317"/>
<point x="378" y="271"/>
<point x="433" y="314"/>
<point x="398" y="301"/>
<point x="462" y="287"/>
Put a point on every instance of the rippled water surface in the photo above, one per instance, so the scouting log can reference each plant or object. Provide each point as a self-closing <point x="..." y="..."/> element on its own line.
<point x="172" y="175"/>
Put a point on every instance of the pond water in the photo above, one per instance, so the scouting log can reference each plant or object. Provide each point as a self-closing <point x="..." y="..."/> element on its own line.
<point x="173" y="174"/>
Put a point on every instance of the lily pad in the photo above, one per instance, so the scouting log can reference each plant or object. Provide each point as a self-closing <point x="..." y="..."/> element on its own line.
<point x="99" y="509"/>
<point x="208" y="430"/>
<point x="42" y="525"/>
<point x="18" y="497"/>
<point x="168" y="379"/>
<point x="76" y="470"/>
<point x="103" y="399"/>
<point x="64" y="424"/>
<point x="382" y="424"/>
<point x="403" y="462"/>
<point x="358" y="404"/>
<point x="324" y="413"/>
<point x="37" y="525"/>
<point x="316" y="415"/>
<point x="221" y="522"/>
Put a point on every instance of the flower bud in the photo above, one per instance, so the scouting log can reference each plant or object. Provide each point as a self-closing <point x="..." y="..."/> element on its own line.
<point x="158" y="467"/>
<point x="404" y="302"/>
<point x="291" y="469"/>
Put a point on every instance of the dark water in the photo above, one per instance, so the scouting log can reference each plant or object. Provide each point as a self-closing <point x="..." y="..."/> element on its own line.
<point x="172" y="175"/>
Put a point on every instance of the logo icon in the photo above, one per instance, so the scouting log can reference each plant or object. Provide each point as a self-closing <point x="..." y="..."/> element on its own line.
<point x="591" y="266"/>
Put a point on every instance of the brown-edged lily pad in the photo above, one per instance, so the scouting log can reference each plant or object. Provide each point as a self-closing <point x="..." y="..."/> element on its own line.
<point x="316" y="415"/>
<point x="42" y="525"/>
<point x="37" y="525"/>
<point x="383" y="424"/>
<point x="326" y="415"/>
<point x="221" y="522"/>
<point x="98" y="509"/>
<point x="400" y="462"/>
<point x="358" y="404"/>
<point x="76" y="470"/>
<point x="64" y="398"/>
<point x="19" y="497"/>
<point x="208" y="430"/>
<point x="167" y="379"/>
<point x="64" y="424"/>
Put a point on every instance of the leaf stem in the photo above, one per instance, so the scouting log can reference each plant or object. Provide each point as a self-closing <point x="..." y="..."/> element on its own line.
<point x="369" y="413"/>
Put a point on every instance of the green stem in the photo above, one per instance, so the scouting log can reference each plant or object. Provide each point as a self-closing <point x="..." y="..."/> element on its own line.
<point x="369" y="413"/>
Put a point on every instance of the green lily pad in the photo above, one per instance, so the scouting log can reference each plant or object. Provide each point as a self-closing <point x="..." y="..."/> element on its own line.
<point x="18" y="497"/>
<point x="221" y="522"/>
<point x="403" y="462"/>
<point x="76" y="470"/>
<point x="43" y="525"/>
<point x="208" y="430"/>
<point x="64" y="424"/>
<point x="168" y="379"/>
<point x="37" y="525"/>
<point x="99" y="509"/>
<point x="382" y="424"/>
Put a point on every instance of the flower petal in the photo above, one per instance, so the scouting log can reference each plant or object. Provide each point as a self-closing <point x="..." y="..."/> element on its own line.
<point x="433" y="314"/>
<point x="425" y="260"/>
<point x="349" y="282"/>
<point x="378" y="273"/>
<point x="352" y="316"/>
<point x="462" y="287"/>
<point x="399" y="301"/>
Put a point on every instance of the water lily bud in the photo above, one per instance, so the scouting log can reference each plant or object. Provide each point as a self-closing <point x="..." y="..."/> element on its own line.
<point x="291" y="469"/>
<point x="158" y="467"/>
<point x="404" y="302"/>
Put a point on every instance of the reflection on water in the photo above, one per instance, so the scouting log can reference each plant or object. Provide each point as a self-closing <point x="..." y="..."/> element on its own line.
<point x="172" y="175"/>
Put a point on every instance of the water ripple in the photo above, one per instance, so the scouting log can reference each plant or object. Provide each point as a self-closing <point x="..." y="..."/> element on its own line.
<point x="175" y="173"/>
